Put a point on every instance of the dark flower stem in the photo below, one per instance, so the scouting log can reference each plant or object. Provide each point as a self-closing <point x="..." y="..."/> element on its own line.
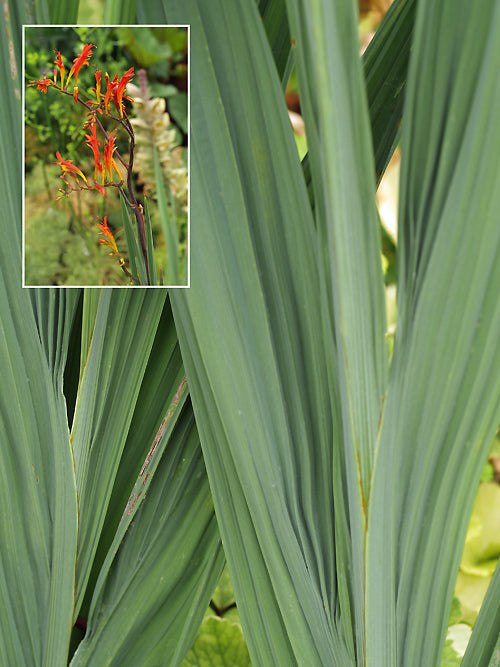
<point x="139" y="214"/>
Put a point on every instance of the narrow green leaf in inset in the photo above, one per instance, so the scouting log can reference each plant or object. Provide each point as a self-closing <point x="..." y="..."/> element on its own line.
<point x="168" y="224"/>
<point x="135" y="257"/>
<point x="150" y="246"/>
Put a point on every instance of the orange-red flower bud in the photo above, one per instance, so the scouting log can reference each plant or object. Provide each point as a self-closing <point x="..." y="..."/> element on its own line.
<point x="109" y="239"/>
<point x="42" y="84"/>
<point x="93" y="142"/>
<point x="60" y="65"/>
<point x="68" y="168"/>
<point x="101" y="188"/>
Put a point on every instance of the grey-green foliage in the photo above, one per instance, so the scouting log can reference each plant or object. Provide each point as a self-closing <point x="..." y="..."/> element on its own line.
<point x="342" y="487"/>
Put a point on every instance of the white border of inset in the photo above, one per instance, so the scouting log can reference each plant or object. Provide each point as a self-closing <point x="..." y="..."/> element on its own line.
<point x="65" y="25"/>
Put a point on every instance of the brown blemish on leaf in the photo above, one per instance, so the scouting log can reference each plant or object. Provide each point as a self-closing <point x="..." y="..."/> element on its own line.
<point x="163" y="425"/>
<point x="12" y="57"/>
<point x="132" y="504"/>
<point x="134" y="498"/>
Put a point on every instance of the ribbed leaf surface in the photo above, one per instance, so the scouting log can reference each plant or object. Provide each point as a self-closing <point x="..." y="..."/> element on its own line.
<point x="122" y="11"/>
<point x="164" y="557"/>
<point x="325" y="38"/>
<point x="122" y="336"/>
<point x="54" y="311"/>
<point x="306" y="442"/>
<point x="165" y="560"/>
<point x="162" y="377"/>
<point x="275" y="20"/>
<point x="259" y="382"/>
<point x="442" y="405"/>
<point x="38" y="526"/>
<point x="38" y="521"/>
<point x="385" y="64"/>
<point x="333" y="99"/>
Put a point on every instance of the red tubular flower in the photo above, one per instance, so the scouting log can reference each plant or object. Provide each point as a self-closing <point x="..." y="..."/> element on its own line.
<point x="79" y="61"/>
<point x="42" y="84"/>
<point x="94" y="144"/>
<point x="60" y="66"/>
<point x="109" y="91"/>
<point x="109" y="161"/>
<point x="120" y="89"/>
<point x="110" y="239"/>
<point x="101" y="189"/>
<point x="68" y="168"/>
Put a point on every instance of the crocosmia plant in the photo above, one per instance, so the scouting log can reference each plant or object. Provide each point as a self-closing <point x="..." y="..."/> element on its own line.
<point x="108" y="102"/>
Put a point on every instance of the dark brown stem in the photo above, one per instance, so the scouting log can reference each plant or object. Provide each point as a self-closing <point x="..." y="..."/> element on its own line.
<point x="138" y="210"/>
<point x="127" y="272"/>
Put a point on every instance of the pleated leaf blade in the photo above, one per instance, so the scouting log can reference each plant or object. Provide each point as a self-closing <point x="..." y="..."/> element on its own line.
<point x="38" y="522"/>
<point x="252" y="343"/>
<point x="122" y="336"/>
<point x="166" y="557"/>
<point x="442" y="406"/>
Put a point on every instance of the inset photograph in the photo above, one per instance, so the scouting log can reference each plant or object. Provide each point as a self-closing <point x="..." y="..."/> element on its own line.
<point x="106" y="156"/>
